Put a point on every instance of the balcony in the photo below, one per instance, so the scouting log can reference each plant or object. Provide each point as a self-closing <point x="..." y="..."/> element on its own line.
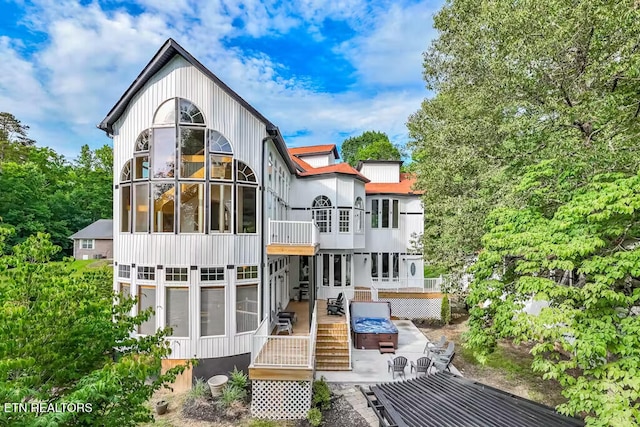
<point x="293" y="238"/>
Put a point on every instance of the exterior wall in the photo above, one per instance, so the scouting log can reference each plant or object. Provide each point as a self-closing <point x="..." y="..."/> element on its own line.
<point x="245" y="133"/>
<point x="317" y="161"/>
<point x="381" y="172"/>
<point x="102" y="247"/>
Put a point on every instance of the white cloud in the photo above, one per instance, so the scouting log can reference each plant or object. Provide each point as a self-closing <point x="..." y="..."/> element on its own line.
<point x="92" y="55"/>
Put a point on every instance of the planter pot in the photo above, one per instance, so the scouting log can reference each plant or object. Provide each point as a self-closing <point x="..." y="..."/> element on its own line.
<point x="161" y="407"/>
<point x="216" y="384"/>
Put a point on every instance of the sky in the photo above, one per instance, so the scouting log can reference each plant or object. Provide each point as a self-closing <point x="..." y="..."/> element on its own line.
<point x="321" y="70"/>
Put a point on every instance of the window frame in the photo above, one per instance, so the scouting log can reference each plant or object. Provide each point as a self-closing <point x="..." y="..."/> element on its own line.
<point x="344" y="225"/>
<point x="154" y="316"/>
<point x="207" y="279"/>
<point x="88" y="244"/>
<point x="184" y="288"/>
<point x="222" y="287"/>
<point x="257" y="302"/>
<point x="176" y="274"/>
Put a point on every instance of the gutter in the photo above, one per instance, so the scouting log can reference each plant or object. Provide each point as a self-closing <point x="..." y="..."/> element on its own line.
<point x="263" y="248"/>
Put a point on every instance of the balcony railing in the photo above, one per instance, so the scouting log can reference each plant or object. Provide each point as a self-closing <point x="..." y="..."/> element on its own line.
<point x="300" y="233"/>
<point x="283" y="351"/>
<point x="408" y="285"/>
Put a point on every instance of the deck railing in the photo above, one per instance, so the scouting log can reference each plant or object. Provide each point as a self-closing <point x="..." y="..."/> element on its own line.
<point x="408" y="285"/>
<point x="283" y="351"/>
<point x="293" y="233"/>
<point x="347" y="315"/>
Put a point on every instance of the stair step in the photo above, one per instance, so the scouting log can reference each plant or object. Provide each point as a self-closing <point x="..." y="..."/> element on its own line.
<point x="329" y="345"/>
<point x="332" y="368"/>
<point x="333" y="362"/>
<point x="332" y="352"/>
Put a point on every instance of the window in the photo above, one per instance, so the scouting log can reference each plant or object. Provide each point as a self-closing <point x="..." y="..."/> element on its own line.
<point x="176" y="274"/>
<point x="221" y="167"/>
<point x="163" y="208"/>
<point x="218" y="143"/>
<point x="125" y="174"/>
<point x="337" y="270"/>
<point x="146" y="300"/>
<point x="344" y="220"/>
<point x="87" y="243"/>
<point x="321" y="213"/>
<point x="124" y="271"/>
<point x="245" y="174"/>
<point x="220" y="208"/>
<point x="192" y="208"/>
<point x="385" y="265"/>
<point x="396" y="265"/>
<point x="384" y="213"/>
<point x="325" y="269"/>
<point x="146" y="273"/>
<point x="374" y="214"/>
<point x="125" y="209"/>
<point x="246" y="308"/>
<point x="189" y="113"/>
<point x="192" y="153"/>
<point x="358" y="215"/>
<point x="247" y="215"/>
<point x="374" y="264"/>
<point x="395" y="212"/>
<point x="212" y="311"/>
<point x="247" y="272"/>
<point x="142" y="143"/>
<point x="166" y="114"/>
<point x="212" y="274"/>
<point x="124" y="289"/>
<point x="177" y="312"/>
<point x="347" y="278"/>
<point x="163" y="152"/>
<point x="141" y="195"/>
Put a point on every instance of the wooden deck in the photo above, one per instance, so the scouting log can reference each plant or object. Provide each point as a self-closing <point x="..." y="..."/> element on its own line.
<point x="326" y="319"/>
<point x="304" y="250"/>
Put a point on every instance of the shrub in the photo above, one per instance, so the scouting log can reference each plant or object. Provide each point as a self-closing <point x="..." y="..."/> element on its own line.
<point x="199" y="390"/>
<point x="314" y="416"/>
<point x="238" y="379"/>
<point x="321" y="394"/>
<point x="230" y="394"/>
<point x="445" y="310"/>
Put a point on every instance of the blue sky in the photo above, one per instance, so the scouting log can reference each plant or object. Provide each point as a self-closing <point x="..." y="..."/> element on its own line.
<point x="320" y="70"/>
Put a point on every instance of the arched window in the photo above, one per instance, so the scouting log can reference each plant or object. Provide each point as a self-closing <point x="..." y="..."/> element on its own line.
<point x="247" y="199"/>
<point x="221" y="157"/>
<point x="359" y="214"/>
<point x="125" y="175"/>
<point x="321" y="213"/>
<point x="125" y="198"/>
<point x="189" y="113"/>
<point x="165" y="114"/>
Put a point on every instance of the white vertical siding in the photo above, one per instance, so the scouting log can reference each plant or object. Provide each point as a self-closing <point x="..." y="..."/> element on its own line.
<point x="381" y="172"/>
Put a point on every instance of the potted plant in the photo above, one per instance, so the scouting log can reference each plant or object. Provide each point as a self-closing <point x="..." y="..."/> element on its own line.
<point x="161" y="407"/>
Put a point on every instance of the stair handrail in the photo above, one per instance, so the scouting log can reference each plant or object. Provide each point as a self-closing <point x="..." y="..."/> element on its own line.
<point x="347" y="315"/>
<point x="313" y="333"/>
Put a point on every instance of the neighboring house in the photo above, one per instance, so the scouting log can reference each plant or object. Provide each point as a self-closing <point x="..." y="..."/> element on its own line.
<point x="94" y="241"/>
<point x="218" y="224"/>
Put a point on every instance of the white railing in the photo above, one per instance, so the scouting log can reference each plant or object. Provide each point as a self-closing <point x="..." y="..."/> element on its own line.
<point x="347" y="315"/>
<point x="408" y="285"/>
<point x="433" y="284"/>
<point x="259" y="338"/>
<point x="313" y="332"/>
<point x="362" y="295"/>
<point x="293" y="233"/>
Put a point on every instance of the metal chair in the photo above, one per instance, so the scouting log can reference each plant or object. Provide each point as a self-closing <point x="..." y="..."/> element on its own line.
<point x="434" y="345"/>
<point x="290" y="315"/>
<point x="397" y="365"/>
<point x="440" y="353"/>
<point x="422" y="365"/>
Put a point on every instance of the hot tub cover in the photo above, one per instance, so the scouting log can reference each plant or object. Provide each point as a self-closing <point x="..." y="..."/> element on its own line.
<point x="373" y="325"/>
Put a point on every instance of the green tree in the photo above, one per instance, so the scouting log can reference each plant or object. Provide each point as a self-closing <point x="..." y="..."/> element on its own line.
<point x="13" y="138"/>
<point x="62" y="341"/>
<point x="371" y="145"/>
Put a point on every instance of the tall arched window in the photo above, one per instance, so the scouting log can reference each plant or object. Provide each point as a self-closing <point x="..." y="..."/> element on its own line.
<point x="220" y="175"/>
<point x="321" y="213"/>
<point x="247" y="199"/>
<point x="125" y="198"/>
<point x="359" y="214"/>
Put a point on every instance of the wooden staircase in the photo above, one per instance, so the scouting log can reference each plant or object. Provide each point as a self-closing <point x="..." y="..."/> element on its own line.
<point x="332" y="347"/>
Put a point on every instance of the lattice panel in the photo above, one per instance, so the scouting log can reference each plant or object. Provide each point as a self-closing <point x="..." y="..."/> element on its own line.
<point x="280" y="399"/>
<point x="415" y="308"/>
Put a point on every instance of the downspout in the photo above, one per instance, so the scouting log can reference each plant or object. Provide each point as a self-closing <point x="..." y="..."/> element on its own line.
<point x="263" y="248"/>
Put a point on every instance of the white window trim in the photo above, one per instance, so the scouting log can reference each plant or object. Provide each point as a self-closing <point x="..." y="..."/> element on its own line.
<point x="213" y="285"/>
<point x="90" y="244"/>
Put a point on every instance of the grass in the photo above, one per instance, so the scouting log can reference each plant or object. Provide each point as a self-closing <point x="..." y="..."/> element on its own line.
<point x="78" y="266"/>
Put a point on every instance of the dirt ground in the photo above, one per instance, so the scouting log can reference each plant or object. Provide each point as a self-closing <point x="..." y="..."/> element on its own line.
<point x="508" y="370"/>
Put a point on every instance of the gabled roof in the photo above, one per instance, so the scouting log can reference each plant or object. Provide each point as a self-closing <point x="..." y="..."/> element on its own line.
<point x="101" y="229"/>
<point x="405" y="186"/>
<point x="444" y="399"/>
<point x="315" y="149"/>
<point x="165" y="54"/>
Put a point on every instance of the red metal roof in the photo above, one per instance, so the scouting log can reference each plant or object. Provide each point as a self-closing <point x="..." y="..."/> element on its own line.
<point x="343" y="168"/>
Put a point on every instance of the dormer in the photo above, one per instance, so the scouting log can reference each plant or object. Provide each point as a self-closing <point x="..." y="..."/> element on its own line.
<point x="380" y="171"/>
<point x="317" y="156"/>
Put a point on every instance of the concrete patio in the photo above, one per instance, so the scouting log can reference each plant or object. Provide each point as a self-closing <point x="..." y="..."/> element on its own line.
<point x="370" y="367"/>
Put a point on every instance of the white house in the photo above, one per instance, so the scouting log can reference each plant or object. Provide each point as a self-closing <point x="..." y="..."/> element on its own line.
<point x="217" y="225"/>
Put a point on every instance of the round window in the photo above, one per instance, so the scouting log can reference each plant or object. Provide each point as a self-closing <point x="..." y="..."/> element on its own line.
<point x="413" y="268"/>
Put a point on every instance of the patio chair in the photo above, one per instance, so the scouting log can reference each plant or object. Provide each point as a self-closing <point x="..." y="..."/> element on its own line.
<point x="444" y="363"/>
<point x="397" y="365"/>
<point x="422" y="365"/>
<point x="443" y="352"/>
<point x="281" y="324"/>
<point x="335" y="306"/>
<point x="433" y="345"/>
<point x="290" y="315"/>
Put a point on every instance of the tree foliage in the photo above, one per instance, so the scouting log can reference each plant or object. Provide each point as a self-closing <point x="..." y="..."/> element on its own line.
<point x="44" y="192"/>
<point x="62" y="341"/>
<point x="371" y="145"/>
<point x="528" y="157"/>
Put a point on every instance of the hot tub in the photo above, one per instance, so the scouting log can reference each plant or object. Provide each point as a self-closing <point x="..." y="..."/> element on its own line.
<point x="371" y="324"/>
<point x="368" y="332"/>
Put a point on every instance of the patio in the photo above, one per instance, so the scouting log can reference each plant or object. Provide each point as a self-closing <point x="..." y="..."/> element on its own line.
<point x="369" y="366"/>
